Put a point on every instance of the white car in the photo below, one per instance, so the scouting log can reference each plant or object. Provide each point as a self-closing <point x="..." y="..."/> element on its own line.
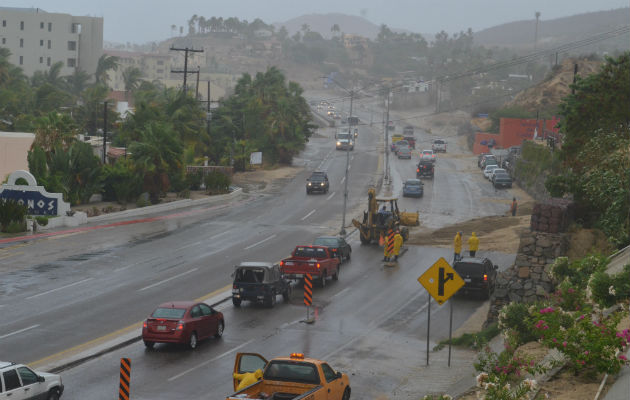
<point x="428" y="155"/>
<point x="488" y="170"/>
<point x="19" y="382"/>
<point x="496" y="171"/>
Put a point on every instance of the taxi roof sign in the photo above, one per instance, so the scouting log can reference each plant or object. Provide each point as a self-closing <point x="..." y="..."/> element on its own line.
<point x="441" y="281"/>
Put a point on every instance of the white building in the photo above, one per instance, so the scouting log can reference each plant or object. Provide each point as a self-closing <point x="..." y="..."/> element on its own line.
<point x="14" y="147"/>
<point x="38" y="39"/>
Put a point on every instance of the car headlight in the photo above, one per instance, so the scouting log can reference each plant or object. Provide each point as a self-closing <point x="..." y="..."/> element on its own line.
<point x="338" y="143"/>
<point x="322" y="184"/>
<point x="309" y="183"/>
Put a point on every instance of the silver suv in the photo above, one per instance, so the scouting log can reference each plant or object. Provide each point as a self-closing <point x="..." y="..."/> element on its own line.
<point x="19" y="382"/>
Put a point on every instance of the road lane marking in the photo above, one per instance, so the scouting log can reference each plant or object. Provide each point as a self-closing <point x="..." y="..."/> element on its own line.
<point x="11" y="255"/>
<point x="20" y="331"/>
<point x="342" y="292"/>
<point x="167" y="280"/>
<point x="59" y="288"/>
<point x="189" y="245"/>
<point x="307" y="215"/>
<point x="203" y="364"/>
<point x="261" y="242"/>
<point x="343" y="179"/>
<point x="136" y="326"/>
<point x="331" y="196"/>
<point x="349" y="166"/>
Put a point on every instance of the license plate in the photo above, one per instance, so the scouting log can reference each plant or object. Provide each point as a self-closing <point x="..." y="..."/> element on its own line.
<point x="299" y="275"/>
<point x="161" y="328"/>
<point x="467" y="280"/>
<point x="235" y="291"/>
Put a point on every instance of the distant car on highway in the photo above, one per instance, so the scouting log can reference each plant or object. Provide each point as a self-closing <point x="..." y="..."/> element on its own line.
<point x="337" y="245"/>
<point x="400" y="143"/>
<point x="438" y="145"/>
<point x="408" y="130"/>
<point x="413" y="188"/>
<point x="183" y="322"/>
<point x="403" y="152"/>
<point x="428" y="155"/>
<point x="17" y="381"/>
<point x="317" y="182"/>
<point x="411" y="140"/>
<point x="345" y="141"/>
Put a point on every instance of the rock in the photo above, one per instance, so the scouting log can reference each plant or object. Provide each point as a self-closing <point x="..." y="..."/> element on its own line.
<point x="514" y="297"/>
<point x="540" y="291"/>
<point x="523" y="272"/>
<point x="516" y="285"/>
<point x="528" y="285"/>
<point x="500" y="292"/>
<point x="527" y="240"/>
<point x="543" y="241"/>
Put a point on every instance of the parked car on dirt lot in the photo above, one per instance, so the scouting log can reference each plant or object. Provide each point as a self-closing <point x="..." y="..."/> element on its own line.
<point x="259" y="282"/>
<point x="413" y="188"/>
<point x="488" y="170"/>
<point x="502" y="180"/>
<point x="185" y="322"/>
<point x="479" y="275"/>
<point x="17" y="381"/>
<point x="495" y="171"/>
<point x="486" y="160"/>
<point x="439" y="145"/>
<point x="337" y="245"/>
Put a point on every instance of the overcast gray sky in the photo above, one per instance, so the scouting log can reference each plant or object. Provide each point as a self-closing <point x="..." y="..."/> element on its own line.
<point x="140" y="21"/>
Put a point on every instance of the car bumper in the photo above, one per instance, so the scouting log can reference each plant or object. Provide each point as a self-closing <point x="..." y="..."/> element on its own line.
<point x="505" y="185"/>
<point x="175" y="337"/>
<point x="316" y="188"/>
<point x="413" y="194"/>
<point x="407" y="157"/>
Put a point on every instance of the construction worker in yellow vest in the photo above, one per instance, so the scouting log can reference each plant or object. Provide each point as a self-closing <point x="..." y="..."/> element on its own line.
<point x="473" y="244"/>
<point x="457" y="245"/>
<point x="398" y="242"/>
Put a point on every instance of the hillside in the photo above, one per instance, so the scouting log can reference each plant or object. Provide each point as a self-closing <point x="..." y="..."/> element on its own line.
<point x="520" y="34"/>
<point x="321" y="23"/>
<point x="549" y="93"/>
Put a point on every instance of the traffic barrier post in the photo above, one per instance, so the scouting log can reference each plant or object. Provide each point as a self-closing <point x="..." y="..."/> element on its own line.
<point x="125" y="378"/>
<point x="308" y="294"/>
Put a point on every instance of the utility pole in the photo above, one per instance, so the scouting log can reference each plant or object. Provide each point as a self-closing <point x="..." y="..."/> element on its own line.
<point x="536" y="33"/>
<point x="105" y="132"/>
<point x="342" y="232"/>
<point x="197" y="86"/>
<point x="186" y="50"/>
<point x="387" y="140"/>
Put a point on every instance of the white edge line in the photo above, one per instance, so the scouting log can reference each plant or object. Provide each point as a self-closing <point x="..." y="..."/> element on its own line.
<point x="342" y="292"/>
<point x="59" y="288"/>
<point x="307" y="215"/>
<point x="343" y="179"/>
<point x="331" y="196"/>
<point x="20" y="331"/>
<point x="167" y="280"/>
<point x="257" y="243"/>
<point x="209" y="361"/>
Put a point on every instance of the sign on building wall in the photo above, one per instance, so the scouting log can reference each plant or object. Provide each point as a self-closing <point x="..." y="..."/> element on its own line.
<point x="36" y="198"/>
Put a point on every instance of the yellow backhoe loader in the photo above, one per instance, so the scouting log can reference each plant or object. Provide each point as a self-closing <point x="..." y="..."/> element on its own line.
<point x="382" y="215"/>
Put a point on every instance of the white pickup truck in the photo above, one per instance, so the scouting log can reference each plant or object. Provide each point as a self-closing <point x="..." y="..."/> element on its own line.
<point x="439" y="145"/>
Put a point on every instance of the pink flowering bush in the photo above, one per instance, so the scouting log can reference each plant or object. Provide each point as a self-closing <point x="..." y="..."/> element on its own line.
<point x="590" y="345"/>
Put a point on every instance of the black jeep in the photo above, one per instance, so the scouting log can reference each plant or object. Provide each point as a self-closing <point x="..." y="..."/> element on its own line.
<point x="478" y="274"/>
<point x="259" y="282"/>
<point x="425" y="169"/>
<point x="318" y="182"/>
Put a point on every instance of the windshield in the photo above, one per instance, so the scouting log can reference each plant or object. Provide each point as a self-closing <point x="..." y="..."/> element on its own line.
<point x="310" y="252"/>
<point x="414" y="183"/>
<point x="343" y="136"/>
<point x="250" y="275"/>
<point x="325" y="242"/>
<point x="174" y="313"/>
<point x="291" y="371"/>
<point x="469" y="268"/>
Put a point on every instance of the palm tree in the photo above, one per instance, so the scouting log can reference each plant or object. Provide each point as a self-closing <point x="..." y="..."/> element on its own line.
<point x="181" y="30"/>
<point x="132" y="77"/>
<point x="201" y="24"/>
<point x="335" y="29"/>
<point x="52" y="76"/>
<point x="191" y="24"/>
<point x="77" y="82"/>
<point x="306" y="28"/>
<point x="105" y="63"/>
<point x="212" y="22"/>
<point x="54" y="130"/>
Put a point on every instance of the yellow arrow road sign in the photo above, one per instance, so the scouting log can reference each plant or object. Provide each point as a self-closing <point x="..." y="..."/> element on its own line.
<point x="441" y="281"/>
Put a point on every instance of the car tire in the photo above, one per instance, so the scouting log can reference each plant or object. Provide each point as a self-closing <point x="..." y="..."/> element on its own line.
<point x="322" y="279"/>
<point x="236" y="302"/>
<point x="346" y="394"/>
<point x="192" y="342"/>
<point x="149" y="345"/>
<point x="53" y="394"/>
<point x="286" y="295"/>
<point x="308" y="191"/>
<point x="220" y="328"/>
<point x="336" y="275"/>
<point x="271" y="300"/>
<point x="348" y="257"/>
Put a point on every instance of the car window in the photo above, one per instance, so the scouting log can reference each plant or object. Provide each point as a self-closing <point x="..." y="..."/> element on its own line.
<point x="169" y="313"/>
<point x="196" y="312"/>
<point x="250" y="275"/>
<point x="250" y="363"/>
<point x="329" y="374"/>
<point x="11" y="380"/>
<point x="205" y="309"/>
<point x="469" y="268"/>
<point x="292" y="371"/>
<point x="28" y="377"/>
<point x="325" y="242"/>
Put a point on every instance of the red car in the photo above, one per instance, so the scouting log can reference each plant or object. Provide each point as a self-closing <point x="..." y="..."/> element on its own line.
<point x="184" y="322"/>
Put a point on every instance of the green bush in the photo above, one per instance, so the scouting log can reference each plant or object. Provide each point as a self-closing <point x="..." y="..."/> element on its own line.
<point x="217" y="183"/>
<point x="193" y="181"/>
<point x="608" y="290"/>
<point x="578" y="272"/>
<point x="41" y="220"/>
<point x="12" y="216"/>
<point x="474" y="341"/>
<point x="514" y="319"/>
<point x="121" y="183"/>
<point x="142" y="202"/>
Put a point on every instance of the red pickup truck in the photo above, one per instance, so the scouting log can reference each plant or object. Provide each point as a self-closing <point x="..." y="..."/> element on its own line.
<point x="315" y="260"/>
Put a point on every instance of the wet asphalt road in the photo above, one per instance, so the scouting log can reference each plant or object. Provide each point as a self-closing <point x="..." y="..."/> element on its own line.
<point x="63" y="291"/>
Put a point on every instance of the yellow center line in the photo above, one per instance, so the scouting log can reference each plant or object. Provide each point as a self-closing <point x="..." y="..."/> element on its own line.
<point x="17" y="253"/>
<point x="63" y="236"/>
<point x="81" y="347"/>
<point x="15" y="246"/>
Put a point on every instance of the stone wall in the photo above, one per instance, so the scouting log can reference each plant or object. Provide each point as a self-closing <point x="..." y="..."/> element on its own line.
<point x="528" y="280"/>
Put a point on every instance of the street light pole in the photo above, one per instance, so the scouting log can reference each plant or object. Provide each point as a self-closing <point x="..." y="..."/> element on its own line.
<point x="342" y="232"/>
<point x="105" y="133"/>
<point x="387" y="142"/>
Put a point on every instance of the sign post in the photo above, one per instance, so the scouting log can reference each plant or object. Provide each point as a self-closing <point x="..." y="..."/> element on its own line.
<point x="442" y="282"/>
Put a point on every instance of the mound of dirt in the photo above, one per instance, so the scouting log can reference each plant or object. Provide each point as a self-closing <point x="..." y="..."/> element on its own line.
<point x="549" y="93"/>
<point x="588" y="241"/>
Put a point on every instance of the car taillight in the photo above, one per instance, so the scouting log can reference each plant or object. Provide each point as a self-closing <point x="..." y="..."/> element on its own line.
<point x="180" y="326"/>
<point x="233" y="286"/>
<point x="144" y="324"/>
<point x="485" y="277"/>
<point x="282" y="263"/>
<point x="318" y="265"/>
<point x="417" y="169"/>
